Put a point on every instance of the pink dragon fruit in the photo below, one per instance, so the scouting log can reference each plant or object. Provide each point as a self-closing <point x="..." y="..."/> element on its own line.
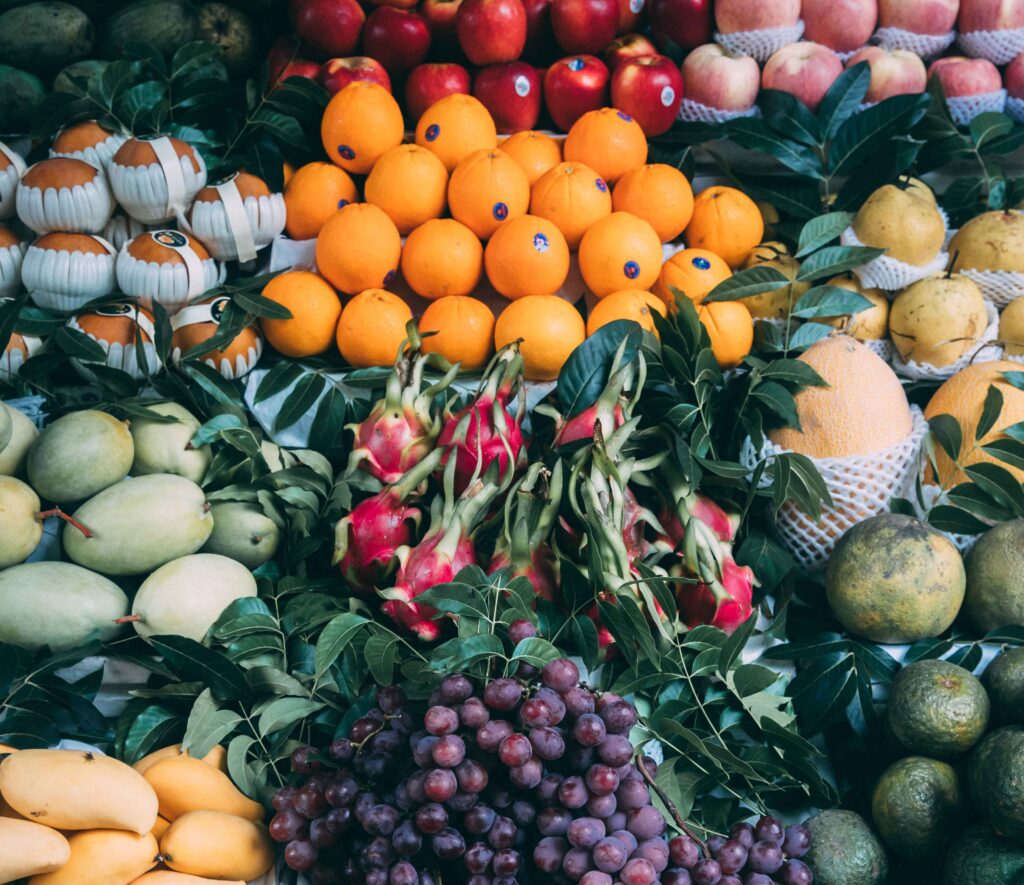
<point x="484" y="432"/>
<point x="725" y="604"/>
<point x="699" y="506"/>
<point x="611" y="410"/>
<point x="365" y="541"/>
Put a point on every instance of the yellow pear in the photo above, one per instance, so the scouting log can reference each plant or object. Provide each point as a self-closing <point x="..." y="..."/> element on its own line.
<point x="775" y="304"/>
<point x="935" y="321"/>
<point x="1011" y="327"/>
<point x="991" y="241"/>
<point x="908" y="227"/>
<point x="870" y="324"/>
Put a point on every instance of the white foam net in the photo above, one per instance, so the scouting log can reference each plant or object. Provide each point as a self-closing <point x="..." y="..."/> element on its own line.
<point x="761" y="43"/>
<point x="887" y="273"/>
<point x="880" y="347"/>
<point x="1015" y="108"/>
<point x="982" y="351"/>
<point x="964" y="108"/>
<point x="924" y="45"/>
<point x="691" y="111"/>
<point x="999" y="47"/>
<point x="998" y="286"/>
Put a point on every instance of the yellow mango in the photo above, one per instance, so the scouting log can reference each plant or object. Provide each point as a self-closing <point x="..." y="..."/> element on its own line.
<point x="7" y="748"/>
<point x="104" y="857"/>
<point x="160" y="827"/>
<point x="185" y="784"/>
<point x="27" y="849"/>
<point x="170" y="877"/>
<point x="217" y="845"/>
<point x="77" y="790"/>
<point x="217" y="757"/>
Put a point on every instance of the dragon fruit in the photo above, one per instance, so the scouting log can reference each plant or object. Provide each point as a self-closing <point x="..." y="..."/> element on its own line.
<point x="724" y="604"/>
<point x="365" y="541"/>
<point x="484" y="432"/>
<point x="402" y="428"/>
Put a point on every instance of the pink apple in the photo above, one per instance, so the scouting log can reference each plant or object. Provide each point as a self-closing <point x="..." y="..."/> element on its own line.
<point x="629" y="14"/>
<point x="649" y="89"/>
<point x="429" y="83"/>
<point x="687" y="23"/>
<point x="573" y="86"/>
<point x="398" y="38"/>
<point x="491" y="31"/>
<point x="441" y="15"/>
<point x="512" y="93"/>
<point x="718" y="79"/>
<point x="842" y="25"/>
<point x="337" y="73"/>
<point x="893" y="72"/>
<point x="330" y="27"/>
<point x="966" y="76"/>
<point x="299" y="68"/>
<point x="732" y="16"/>
<point x="805" y="70"/>
<point x="990" y="15"/>
<point x="585" y="25"/>
<point x="918" y="16"/>
<point x="1014" y="77"/>
<point x="626" y="47"/>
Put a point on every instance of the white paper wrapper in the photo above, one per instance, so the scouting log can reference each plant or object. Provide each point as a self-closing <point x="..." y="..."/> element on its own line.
<point x="121" y="228"/>
<point x="14" y="357"/>
<point x="888" y="273"/>
<point x="964" y="108"/>
<point x="1015" y="108"/>
<point x="998" y="286"/>
<point x="761" y="43"/>
<point x="982" y="351"/>
<point x="9" y="179"/>
<point x="83" y="208"/>
<point x="154" y="194"/>
<point x="173" y="285"/>
<point x="65" y="281"/>
<point x="860" y="487"/>
<point x="691" y="111"/>
<point x="237" y="231"/>
<point x="924" y="45"/>
<point x="11" y="258"/>
<point x="999" y="47"/>
<point x="122" y="356"/>
<point x="98" y="155"/>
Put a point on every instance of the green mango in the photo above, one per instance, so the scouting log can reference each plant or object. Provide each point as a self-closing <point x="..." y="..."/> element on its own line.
<point x="161" y="447"/>
<point x="6" y="427"/>
<point x="45" y="35"/>
<point x="243" y="532"/>
<point x="19" y="515"/>
<point x="14" y="455"/>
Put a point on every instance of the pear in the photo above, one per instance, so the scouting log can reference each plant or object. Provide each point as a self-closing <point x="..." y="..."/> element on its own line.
<point x="162" y="447"/>
<point x="243" y="532"/>
<point x="1011" y="328"/>
<point x="908" y="227"/>
<point x="19" y="516"/>
<point x="991" y="241"/>
<point x="936" y="320"/>
<point x="870" y="324"/>
<point x="775" y="304"/>
<point x="79" y="455"/>
<point x="919" y="189"/>
<point x="14" y="455"/>
<point x="6" y="427"/>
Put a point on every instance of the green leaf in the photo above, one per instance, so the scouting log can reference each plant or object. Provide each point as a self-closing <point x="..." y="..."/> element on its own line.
<point x="1002" y="485"/>
<point x="338" y="633"/>
<point x="155" y="727"/>
<point x="990" y="412"/>
<point x="78" y="345"/>
<point x="271" y="680"/>
<point x="1015" y="378"/>
<point x="988" y="127"/>
<point x="758" y="136"/>
<point x="140" y="101"/>
<point x="867" y="131"/>
<point x="241" y="774"/>
<point x="1009" y="451"/>
<point x="244" y="616"/>
<point x="535" y="651"/>
<point x="770" y="561"/>
<point x="808" y="334"/>
<point x="458" y="653"/>
<point x="821" y="231"/>
<point x="750" y="679"/>
<point x="286" y="129"/>
<point x="193" y="56"/>
<point x="195" y="661"/>
<point x="285" y="712"/>
<point x="822" y="692"/>
<point x="585" y="640"/>
<point x="745" y="283"/>
<point x="586" y="372"/>
<point x="955" y="520"/>
<point x="216" y="385"/>
<point x="207" y="725"/>
<point x="789" y="116"/>
<point x="260" y="306"/>
<point x="946" y="432"/>
<point x="457" y="599"/>
<point x="212" y="429"/>
<point x="834" y="260"/>
<point x="793" y="372"/>
<point x="329" y="422"/>
<point x="777" y="399"/>
<point x="279" y="378"/>
<point x="829" y="301"/>
<point x="735" y="644"/>
<point x="380" y="652"/>
<point x="844" y="98"/>
<point x="301" y="399"/>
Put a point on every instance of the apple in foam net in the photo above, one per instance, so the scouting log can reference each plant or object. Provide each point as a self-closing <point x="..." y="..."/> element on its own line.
<point x="718" y="79"/>
<point x="491" y="31"/>
<point x="687" y="23"/>
<point x="893" y="72"/>
<point x="932" y="17"/>
<point x="1014" y="77"/>
<point x="732" y="16"/>
<point x="990" y="15"/>
<point x="337" y="73"/>
<point x="966" y="76"/>
<point x="842" y="25"/>
<point x="805" y="70"/>
<point x="584" y="25"/>
<point x="430" y="83"/>
<point x="573" y="86"/>
<point x="626" y="47"/>
<point x="649" y="89"/>
<point x="512" y="94"/>
<point x="329" y="27"/>
<point x="398" y="38"/>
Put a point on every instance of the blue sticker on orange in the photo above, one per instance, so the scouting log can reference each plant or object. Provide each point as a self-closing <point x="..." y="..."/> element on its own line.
<point x="342" y="203"/>
<point x="540" y="242"/>
<point x="389" y="276"/>
<point x="631" y="269"/>
<point x="433" y="130"/>
<point x="602" y="185"/>
<point x="625" y="116"/>
<point x="701" y="263"/>
<point x="346" y="152"/>
<point x="500" y="211"/>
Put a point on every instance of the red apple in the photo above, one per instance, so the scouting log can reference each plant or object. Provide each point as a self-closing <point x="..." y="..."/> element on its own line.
<point x="398" y="38"/>
<point x="649" y="89"/>
<point x="429" y="83"/>
<point x="842" y="25"/>
<point x="330" y="27"/>
<point x="629" y="14"/>
<point x="440" y="15"/>
<point x="805" y="70"/>
<point x="716" y="78"/>
<point x="932" y="17"/>
<point x="990" y="15"/>
<point x="301" y="67"/>
<point x="511" y="92"/>
<point x="337" y="73"/>
<point x="399" y="4"/>
<point x="540" y="39"/>
<point x="893" y="72"/>
<point x="966" y="76"/>
<point x="491" y="31"/>
<point x="573" y="86"/>
<point x="626" y="47"/>
<point x="585" y="25"/>
<point x="282" y="51"/>
<point x="1014" y="77"/>
<point x="687" y="23"/>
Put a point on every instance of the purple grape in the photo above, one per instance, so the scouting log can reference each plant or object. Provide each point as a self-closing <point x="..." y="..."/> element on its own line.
<point x="506" y="862"/>
<point x="656" y="851"/>
<point x="602" y="806"/>
<point x="732" y="856"/>
<point x="577" y="863"/>
<point x="770" y="829"/>
<point x="310" y="801"/>
<point x="684" y="851"/>
<point x="515" y="750"/>
<point x="300" y="855"/>
<point x="440" y="785"/>
<point x="287" y="825"/>
<point x="405" y="840"/>
<point x="502" y="833"/>
<point x="586" y="832"/>
<point x="431" y="819"/>
<point x="744" y="834"/>
<point x="449" y="751"/>
<point x="391" y="699"/>
<point x="560" y="675"/>
<point x="362" y="729"/>
<point x="578" y="701"/>
<point x="441" y="721"/>
<point x="547" y="742"/>
<point x="602" y="780"/>
<point x="706" y="872"/>
<point x="796" y="872"/>
<point x="528" y="775"/>
<point x="478" y="857"/>
<point x="448" y="844"/>
<point x="764" y="857"/>
<point x="523" y="813"/>
<point x="573" y="792"/>
<point x="626" y="838"/>
<point x="553" y="821"/>
<point x="461" y="801"/>
<point x="490" y="735"/>
<point x="478" y="819"/>
<point x="757" y="879"/>
<point x="589" y="730"/>
<point x="615" y="750"/>
<point x="617" y="821"/>
<point x="301" y="760"/>
<point x="555" y="704"/>
<point x="715" y="843"/>
<point x="339" y="820"/>
<point x="455" y="689"/>
<point x="638" y="871"/>
<point x="381" y="820"/>
<point x="632" y="794"/>
<point x="502" y="694"/>
<point x="676" y="876"/>
<point x="536" y="713"/>
<point x="423" y="751"/>
<point x="283" y="799"/>
<point x="610" y="854"/>
<point x="730" y="879"/>
<point x="797" y="842"/>
<point x="471" y="776"/>
<point x="547" y="790"/>
<point x="548" y="854"/>
<point x="619" y="717"/>
<point x="403" y="873"/>
<point x="473" y="713"/>
<point x="596" y="877"/>
<point x="646" y="823"/>
<point x="520" y="630"/>
<point x="341" y="791"/>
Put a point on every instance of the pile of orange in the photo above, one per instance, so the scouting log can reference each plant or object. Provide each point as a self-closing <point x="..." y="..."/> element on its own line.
<point x="540" y="222"/>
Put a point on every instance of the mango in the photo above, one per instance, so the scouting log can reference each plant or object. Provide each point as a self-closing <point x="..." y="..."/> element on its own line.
<point x="183" y="784"/>
<point x="57" y="604"/>
<point x="78" y="790"/>
<point x="28" y="849"/>
<point x="44" y="35"/>
<point x="160" y="827"/>
<point x="14" y="455"/>
<point x="21" y="93"/>
<point x="6" y="427"/>
<point x="162" y="447"/>
<point x="217" y="845"/>
<point x="217" y="757"/>
<point x="169" y="877"/>
<point x="104" y="857"/>
<point x="243" y="532"/>
<point x="140" y="524"/>
<point x="19" y="510"/>
<point x="79" y="455"/>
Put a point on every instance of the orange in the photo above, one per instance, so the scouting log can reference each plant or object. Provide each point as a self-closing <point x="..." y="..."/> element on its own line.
<point x="550" y="329"/>
<point x="312" y="195"/>
<point x="410" y="184"/>
<point x="731" y="329"/>
<point x="659" y="194"/>
<point x="372" y="328"/>
<point x="315" y="309"/>
<point x="455" y="126"/>
<point x="727" y="222"/>
<point x="534" y="151"/>
<point x="465" y="331"/>
<point x="620" y="251"/>
<point x="573" y="196"/>
<point x="287" y="171"/>
<point x="487" y="188"/>
<point x="359" y="124"/>
<point x="358" y="248"/>
<point x="694" y="272"/>
<point x="527" y="256"/>
<point x="628" y="304"/>
<point x="442" y="257"/>
<point x="609" y="141"/>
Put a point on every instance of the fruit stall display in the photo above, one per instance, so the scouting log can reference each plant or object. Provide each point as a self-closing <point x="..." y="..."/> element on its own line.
<point x="511" y="441"/>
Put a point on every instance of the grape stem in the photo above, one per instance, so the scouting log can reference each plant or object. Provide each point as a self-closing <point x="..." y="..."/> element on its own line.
<point x="670" y="805"/>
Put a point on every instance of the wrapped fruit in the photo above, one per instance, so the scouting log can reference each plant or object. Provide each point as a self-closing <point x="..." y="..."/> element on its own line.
<point x="19" y="349"/>
<point x="156" y="177"/>
<point x="115" y="327"/>
<point x="12" y="167"/>
<point x="12" y="251"/>
<point x="237" y="216"/>
<point x="166" y="266"/>
<point x="88" y="141"/>
<point x="64" y="194"/>
<point x="198" y="323"/>
<point x="121" y="228"/>
<point x="66" y="271"/>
